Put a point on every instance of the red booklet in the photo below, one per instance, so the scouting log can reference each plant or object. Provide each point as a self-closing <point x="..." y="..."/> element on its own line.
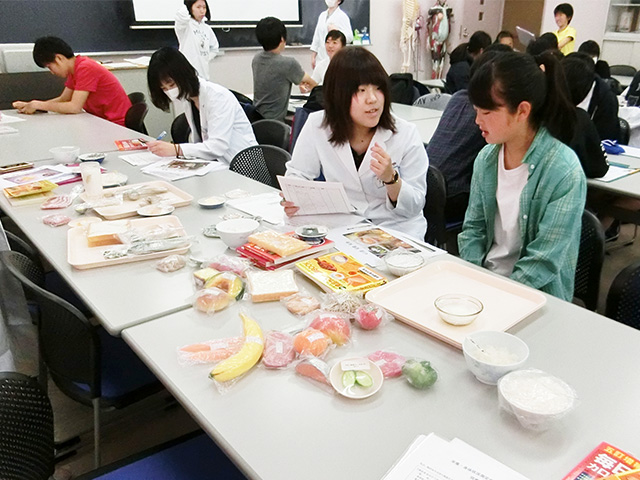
<point x="132" y="144"/>
<point x="605" y="460"/>
<point x="266" y="259"/>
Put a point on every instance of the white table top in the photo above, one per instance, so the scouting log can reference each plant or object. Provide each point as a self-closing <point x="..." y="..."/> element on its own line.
<point x="275" y="424"/>
<point x="411" y="113"/>
<point x="628" y="186"/>
<point x="426" y="128"/>
<point x="40" y="132"/>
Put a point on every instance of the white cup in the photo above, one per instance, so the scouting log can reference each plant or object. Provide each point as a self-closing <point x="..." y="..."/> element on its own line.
<point x="92" y="179"/>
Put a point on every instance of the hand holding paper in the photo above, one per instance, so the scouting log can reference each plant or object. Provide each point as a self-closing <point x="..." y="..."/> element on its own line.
<point x="313" y="198"/>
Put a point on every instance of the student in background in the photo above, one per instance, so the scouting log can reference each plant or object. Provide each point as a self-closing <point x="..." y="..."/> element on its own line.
<point x="89" y="85"/>
<point x="273" y="73"/>
<point x="219" y="126"/>
<point x="333" y="18"/>
<point x="528" y="188"/>
<point x="505" y="37"/>
<point x="461" y="59"/>
<point x="380" y="159"/>
<point x="566" y="34"/>
<point x="197" y="41"/>
<point x="546" y="42"/>
<point x="335" y="41"/>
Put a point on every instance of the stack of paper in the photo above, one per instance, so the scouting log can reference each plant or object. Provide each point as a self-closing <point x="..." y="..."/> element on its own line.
<point x="430" y="457"/>
<point x="176" y="169"/>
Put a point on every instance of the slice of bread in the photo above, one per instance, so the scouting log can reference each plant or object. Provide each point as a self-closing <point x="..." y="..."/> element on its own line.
<point x="269" y="286"/>
<point x="100" y="234"/>
<point x="278" y="243"/>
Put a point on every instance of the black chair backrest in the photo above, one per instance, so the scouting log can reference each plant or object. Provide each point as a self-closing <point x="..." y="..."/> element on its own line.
<point x="134" y="119"/>
<point x="625" y="132"/>
<point x="299" y="119"/>
<point x="625" y="70"/>
<point x="434" y="207"/>
<point x="262" y="163"/>
<point x="590" y="260"/>
<point x="241" y="97"/>
<point x="402" y="88"/>
<point x="272" y="132"/>
<point x="26" y="429"/>
<point x="180" y="129"/>
<point x="69" y="343"/>
<point x="18" y="244"/>
<point x="251" y="112"/>
<point x="623" y="300"/>
<point x="137" y="97"/>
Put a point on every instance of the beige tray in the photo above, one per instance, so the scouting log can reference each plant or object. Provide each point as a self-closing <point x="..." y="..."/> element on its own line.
<point x="410" y="299"/>
<point x="174" y="196"/>
<point x="83" y="257"/>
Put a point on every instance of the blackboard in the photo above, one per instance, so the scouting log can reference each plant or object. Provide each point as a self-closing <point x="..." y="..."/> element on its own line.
<point x="104" y="25"/>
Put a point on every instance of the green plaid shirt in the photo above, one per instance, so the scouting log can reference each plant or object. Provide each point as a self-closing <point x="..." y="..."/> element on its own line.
<point x="551" y="206"/>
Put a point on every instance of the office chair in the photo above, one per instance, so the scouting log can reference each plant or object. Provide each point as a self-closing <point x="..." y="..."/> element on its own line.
<point x="624" y="70"/>
<point x="590" y="260"/>
<point x="623" y="299"/>
<point x="85" y="362"/>
<point x="26" y="429"/>
<point x="262" y="163"/>
<point x="180" y="129"/>
<point x="241" y="97"/>
<point x="272" y="132"/>
<point x="433" y="209"/>
<point x="625" y="132"/>
<point x="134" y="118"/>
<point x="137" y="97"/>
<point x="435" y="101"/>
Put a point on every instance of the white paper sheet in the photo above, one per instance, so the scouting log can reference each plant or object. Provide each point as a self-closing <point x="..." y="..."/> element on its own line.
<point x="140" y="159"/>
<point x="315" y="198"/>
<point x="4" y="119"/>
<point x="266" y="205"/>
<point x="8" y="130"/>
<point x="615" y="172"/>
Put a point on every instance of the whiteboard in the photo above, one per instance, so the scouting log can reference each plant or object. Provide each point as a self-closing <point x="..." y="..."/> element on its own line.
<point x="222" y="11"/>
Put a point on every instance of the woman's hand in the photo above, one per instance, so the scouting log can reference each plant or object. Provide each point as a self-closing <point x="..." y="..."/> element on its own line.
<point x="381" y="164"/>
<point x="162" y="149"/>
<point x="289" y="208"/>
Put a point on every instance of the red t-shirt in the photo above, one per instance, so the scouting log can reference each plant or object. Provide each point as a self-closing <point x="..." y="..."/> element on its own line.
<point x="107" y="99"/>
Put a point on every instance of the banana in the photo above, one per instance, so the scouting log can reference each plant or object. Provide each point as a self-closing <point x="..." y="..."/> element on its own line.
<point x="246" y="358"/>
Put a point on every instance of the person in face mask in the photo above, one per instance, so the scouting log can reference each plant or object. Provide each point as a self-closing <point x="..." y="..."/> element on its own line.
<point x="219" y="126"/>
<point x="333" y="18"/>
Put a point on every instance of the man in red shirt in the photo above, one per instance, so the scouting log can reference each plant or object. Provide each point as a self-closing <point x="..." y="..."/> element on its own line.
<point x="89" y="85"/>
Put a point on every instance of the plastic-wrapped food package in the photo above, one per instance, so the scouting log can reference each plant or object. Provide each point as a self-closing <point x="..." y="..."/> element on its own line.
<point x="314" y="369"/>
<point x="278" y="350"/>
<point x="334" y="325"/>
<point x="311" y="342"/>
<point x="171" y="263"/>
<point x="57" y="201"/>
<point x="389" y="362"/>
<point x="55" y="220"/>
<point x="343" y="302"/>
<point x="270" y="286"/>
<point x="211" y="300"/>
<point x="419" y="373"/>
<point x="227" y="282"/>
<point x="211" y="351"/>
<point x="301" y="303"/>
<point x="225" y="263"/>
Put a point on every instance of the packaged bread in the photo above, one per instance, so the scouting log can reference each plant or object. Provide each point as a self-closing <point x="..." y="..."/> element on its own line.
<point x="278" y="243"/>
<point x="106" y="233"/>
<point x="200" y="277"/>
<point x="269" y="286"/>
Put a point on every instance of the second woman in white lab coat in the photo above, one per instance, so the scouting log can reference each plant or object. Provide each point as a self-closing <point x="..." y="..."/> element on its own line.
<point x="219" y="126"/>
<point x="380" y="159"/>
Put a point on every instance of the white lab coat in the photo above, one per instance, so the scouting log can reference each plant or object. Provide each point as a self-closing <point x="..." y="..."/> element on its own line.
<point x="197" y="41"/>
<point x="314" y="155"/>
<point x="338" y="19"/>
<point x="225" y="127"/>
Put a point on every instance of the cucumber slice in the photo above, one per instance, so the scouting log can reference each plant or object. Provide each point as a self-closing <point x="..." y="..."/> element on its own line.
<point x="363" y="379"/>
<point x="348" y="378"/>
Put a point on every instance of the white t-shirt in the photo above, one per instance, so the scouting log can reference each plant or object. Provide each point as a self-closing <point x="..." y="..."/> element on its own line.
<point x="197" y="41"/>
<point x="338" y="19"/>
<point x="320" y="70"/>
<point x="507" y="243"/>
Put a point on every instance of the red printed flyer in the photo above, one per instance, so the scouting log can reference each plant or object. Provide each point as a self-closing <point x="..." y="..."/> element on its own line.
<point x="132" y="144"/>
<point x="605" y="461"/>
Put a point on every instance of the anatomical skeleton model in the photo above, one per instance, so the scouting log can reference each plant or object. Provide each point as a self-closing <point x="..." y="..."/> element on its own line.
<point x="438" y="30"/>
<point x="408" y="33"/>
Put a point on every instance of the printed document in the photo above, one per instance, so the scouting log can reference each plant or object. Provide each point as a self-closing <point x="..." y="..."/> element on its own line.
<point x="315" y="198"/>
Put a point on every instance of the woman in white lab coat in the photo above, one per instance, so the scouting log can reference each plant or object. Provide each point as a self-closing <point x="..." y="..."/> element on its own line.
<point x="196" y="39"/>
<point x="380" y="159"/>
<point x="333" y="18"/>
<point x="219" y="126"/>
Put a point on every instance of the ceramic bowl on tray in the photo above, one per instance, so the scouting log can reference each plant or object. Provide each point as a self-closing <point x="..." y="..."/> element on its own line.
<point x="492" y="354"/>
<point x="401" y="261"/>
<point x="235" y="232"/>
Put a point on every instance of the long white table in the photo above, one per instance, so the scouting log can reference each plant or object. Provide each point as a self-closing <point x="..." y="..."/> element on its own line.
<point x="628" y="186"/>
<point x="411" y="113"/>
<point x="426" y="128"/>
<point x="42" y="131"/>
<point x="276" y="425"/>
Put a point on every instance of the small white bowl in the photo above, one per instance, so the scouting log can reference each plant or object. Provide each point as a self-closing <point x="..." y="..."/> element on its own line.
<point x="65" y="154"/>
<point x="211" y="202"/>
<point x="400" y="261"/>
<point x="536" y="398"/>
<point x="92" y="157"/>
<point x="355" y="391"/>
<point x="458" y="309"/>
<point x="235" y="232"/>
<point x="502" y="354"/>
<point x="155" y="210"/>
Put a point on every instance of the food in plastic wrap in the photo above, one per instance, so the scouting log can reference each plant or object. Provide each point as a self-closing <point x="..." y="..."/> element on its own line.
<point x="246" y="358"/>
<point x="419" y="373"/>
<point x="211" y="351"/>
<point x="171" y="263"/>
<point x="315" y="369"/>
<point x="389" y="362"/>
<point x="344" y="302"/>
<point x="57" y="201"/>
<point x="56" y="220"/>
<point x="333" y="325"/>
<point x="278" y="350"/>
<point x="106" y="233"/>
<point x="311" y="342"/>
<point x="369" y="316"/>
<point x="301" y="303"/>
<point x="227" y="282"/>
<point x="201" y="276"/>
<point x="278" y="243"/>
<point x="269" y="286"/>
<point x="225" y="263"/>
<point x="211" y="300"/>
<point x="145" y="247"/>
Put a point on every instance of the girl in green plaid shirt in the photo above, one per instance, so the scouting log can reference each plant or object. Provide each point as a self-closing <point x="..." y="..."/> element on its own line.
<point x="528" y="188"/>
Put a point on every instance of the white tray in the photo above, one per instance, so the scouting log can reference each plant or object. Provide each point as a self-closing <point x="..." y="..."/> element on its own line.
<point x="410" y="299"/>
<point x="83" y="257"/>
<point x="174" y="196"/>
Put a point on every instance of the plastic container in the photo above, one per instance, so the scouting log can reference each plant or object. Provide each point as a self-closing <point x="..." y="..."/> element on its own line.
<point x="91" y="179"/>
<point x="458" y="309"/>
<point x="493" y="355"/>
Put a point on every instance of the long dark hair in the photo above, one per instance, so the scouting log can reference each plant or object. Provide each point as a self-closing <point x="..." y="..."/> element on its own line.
<point x="512" y="78"/>
<point x="349" y="68"/>
<point x="189" y="5"/>
<point x="169" y="64"/>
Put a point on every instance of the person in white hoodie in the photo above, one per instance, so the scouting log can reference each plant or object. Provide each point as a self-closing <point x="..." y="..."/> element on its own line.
<point x="219" y="127"/>
<point x="333" y="18"/>
<point x="197" y="41"/>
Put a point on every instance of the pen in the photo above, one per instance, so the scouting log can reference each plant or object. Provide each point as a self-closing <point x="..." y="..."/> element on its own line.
<point x="621" y="165"/>
<point x="162" y="135"/>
